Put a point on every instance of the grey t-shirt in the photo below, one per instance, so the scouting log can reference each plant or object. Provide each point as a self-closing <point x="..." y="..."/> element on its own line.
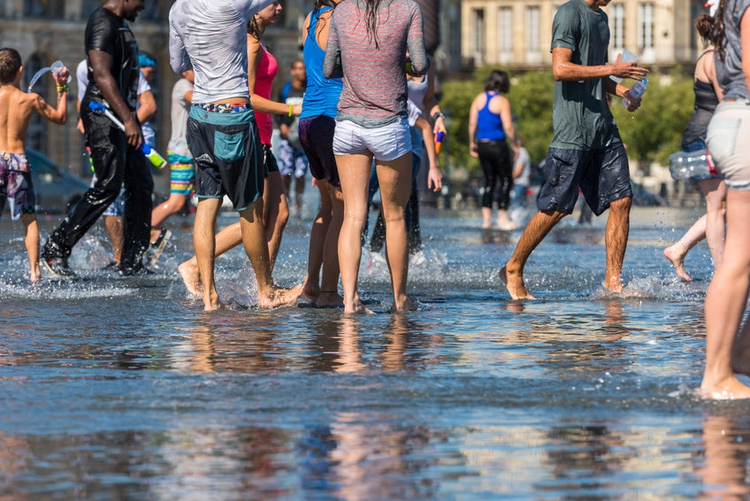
<point x="180" y="112"/>
<point x="581" y="115"/>
<point x="729" y="70"/>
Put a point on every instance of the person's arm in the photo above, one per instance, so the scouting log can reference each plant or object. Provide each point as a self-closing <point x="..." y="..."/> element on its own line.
<point x="473" y="114"/>
<point x="254" y="54"/>
<point x="101" y="63"/>
<point x="147" y="109"/>
<point x="332" y="67"/>
<point x="564" y="69"/>
<point x="434" y="176"/>
<point x="745" y="44"/>
<point x="420" y="63"/>
<point x="58" y="114"/>
<point x="178" y="56"/>
<point x="518" y="165"/>
<point x="508" y="127"/>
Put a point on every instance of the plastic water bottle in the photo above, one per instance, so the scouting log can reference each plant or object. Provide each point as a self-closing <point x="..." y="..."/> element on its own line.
<point x="684" y="165"/>
<point x="637" y="90"/>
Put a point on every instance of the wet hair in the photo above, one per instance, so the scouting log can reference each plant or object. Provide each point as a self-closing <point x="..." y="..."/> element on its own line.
<point x="253" y="28"/>
<point x="319" y="4"/>
<point x="371" y="19"/>
<point x="498" y="81"/>
<point x="718" y="31"/>
<point x="10" y="62"/>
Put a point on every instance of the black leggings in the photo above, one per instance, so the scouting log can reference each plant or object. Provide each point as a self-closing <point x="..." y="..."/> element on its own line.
<point x="494" y="156"/>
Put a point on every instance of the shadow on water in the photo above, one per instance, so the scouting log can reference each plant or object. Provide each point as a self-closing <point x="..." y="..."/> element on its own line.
<point x="119" y="388"/>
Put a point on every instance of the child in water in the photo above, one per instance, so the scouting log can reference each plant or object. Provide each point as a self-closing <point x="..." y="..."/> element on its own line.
<point x="16" y="109"/>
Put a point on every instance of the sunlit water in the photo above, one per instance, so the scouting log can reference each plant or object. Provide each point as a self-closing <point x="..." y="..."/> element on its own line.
<point x="122" y="388"/>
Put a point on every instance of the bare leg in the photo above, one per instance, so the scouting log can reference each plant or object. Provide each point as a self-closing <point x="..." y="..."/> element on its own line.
<point x="31" y="241"/>
<point x="226" y="240"/>
<point x="486" y="218"/>
<point x="253" y="231"/>
<point x="161" y="212"/>
<point x="318" y="233"/>
<point x="115" y="229"/>
<point x="725" y="306"/>
<point x="616" y="241"/>
<point x="329" y="295"/>
<point x="512" y="273"/>
<point x="394" y="178"/>
<point x="276" y="211"/>
<point x="676" y="252"/>
<point x="299" y="191"/>
<point x="715" y="193"/>
<point x="204" y="242"/>
<point x="354" y="171"/>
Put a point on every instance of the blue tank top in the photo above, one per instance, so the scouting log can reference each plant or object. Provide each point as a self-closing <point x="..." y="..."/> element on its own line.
<point x="321" y="94"/>
<point x="489" y="124"/>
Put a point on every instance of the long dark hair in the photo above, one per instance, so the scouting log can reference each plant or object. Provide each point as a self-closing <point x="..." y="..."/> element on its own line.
<point x="319" y="4"/>
<point x="371" y="18"/>
<point x="718" y="31"/>
<point x="498" y="81"/>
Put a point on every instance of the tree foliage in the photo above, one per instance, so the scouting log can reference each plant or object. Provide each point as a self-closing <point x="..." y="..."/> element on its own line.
<point x="651" y="134"/>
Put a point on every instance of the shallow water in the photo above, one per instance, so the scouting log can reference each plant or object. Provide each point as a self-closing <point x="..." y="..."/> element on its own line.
<point x="119" y="388"/>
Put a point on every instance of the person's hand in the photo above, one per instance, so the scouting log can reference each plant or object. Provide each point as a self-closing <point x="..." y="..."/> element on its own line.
<point x="622" y="69"/>
<point x="62" y="76"/>
<point x="297" y="109"/>
<point x="133" y="133"/>
<point x="434" y="178"/>
<point x="473" y="150"/>
<point x="438" y="125"/>
<point x="633" y="102"/>
<point x="79" y="126"/>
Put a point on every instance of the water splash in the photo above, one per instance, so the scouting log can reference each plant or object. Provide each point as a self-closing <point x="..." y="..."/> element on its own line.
<point x="53" y="68"/>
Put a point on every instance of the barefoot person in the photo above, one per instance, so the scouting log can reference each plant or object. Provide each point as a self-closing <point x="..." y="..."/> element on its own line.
<point x="371" y="37"/>
<point x="727" y="338"/>
<point x="586" y="149"/>
<point x="112" y="56"/>
<point x="210" y="36"/>
<point x="708" y="93"/>
<point x="16" y="109"/>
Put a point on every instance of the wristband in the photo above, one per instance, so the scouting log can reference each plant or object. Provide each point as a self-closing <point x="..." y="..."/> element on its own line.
<point x="63" y="88"/>
<point x="437" y="115"/>
<point x="291" y="110"/>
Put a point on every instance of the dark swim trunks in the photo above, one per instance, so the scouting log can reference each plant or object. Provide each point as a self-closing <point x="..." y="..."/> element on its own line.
<point x="16" y="185"/>
<point x="602" y="175"/>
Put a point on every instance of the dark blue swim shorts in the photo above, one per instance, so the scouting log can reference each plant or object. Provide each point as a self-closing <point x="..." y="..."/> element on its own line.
<point x="603" y="177"/>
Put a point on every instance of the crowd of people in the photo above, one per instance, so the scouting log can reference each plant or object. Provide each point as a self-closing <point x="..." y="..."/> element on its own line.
<point x="360" y="112"/>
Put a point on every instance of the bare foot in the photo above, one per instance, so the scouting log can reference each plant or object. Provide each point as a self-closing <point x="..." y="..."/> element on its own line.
<point x="280" y="297"/>
<point x="357" y="308"/>
<point x="677" y="259"/>
<point x="730" y="389"/>
<point x="329" y="299"/>
<point x="311" y="289"/>
<point x="191" y="278"/>
<point x="407" y="304"/>
<point x="35" y="275"/>
<point x="514" y="283"/>
<point x="505" y="225"/>
<point x="212" y="306"/>
<point x="613" y="284"/>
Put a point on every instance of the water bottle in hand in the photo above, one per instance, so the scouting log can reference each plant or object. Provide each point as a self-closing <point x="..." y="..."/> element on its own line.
<point x="637" y="90"/>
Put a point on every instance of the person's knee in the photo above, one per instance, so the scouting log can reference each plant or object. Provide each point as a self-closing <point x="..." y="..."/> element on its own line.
<point x="622" y="204"/>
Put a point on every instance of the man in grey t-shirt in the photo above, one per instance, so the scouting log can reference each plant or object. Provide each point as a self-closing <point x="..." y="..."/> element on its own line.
<point x="586" y="150"/>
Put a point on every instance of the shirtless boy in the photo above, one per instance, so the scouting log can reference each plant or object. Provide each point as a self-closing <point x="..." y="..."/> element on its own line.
<point x="16" y="109"/>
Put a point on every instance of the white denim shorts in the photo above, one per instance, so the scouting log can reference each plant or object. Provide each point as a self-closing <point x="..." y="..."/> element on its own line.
<point x="727" y="140"/>
<point x="386" y="143"/>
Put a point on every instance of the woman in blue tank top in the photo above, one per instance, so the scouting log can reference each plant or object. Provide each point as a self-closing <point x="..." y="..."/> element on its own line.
<point x="316" y="127"/>
<point x="490" y="129"/>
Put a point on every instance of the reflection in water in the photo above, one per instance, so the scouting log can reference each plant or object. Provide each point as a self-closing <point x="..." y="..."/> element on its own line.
<point x="723" y="471"/>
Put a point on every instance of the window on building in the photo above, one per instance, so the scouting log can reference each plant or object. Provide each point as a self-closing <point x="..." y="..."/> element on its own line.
<point x="645" y="26"/>
<point x="49" y="9"/>
<point x="617" y="24"/>
<point x="505" y="30"/>
<point x="479" y="27"/>
<point x="533" y="33"/>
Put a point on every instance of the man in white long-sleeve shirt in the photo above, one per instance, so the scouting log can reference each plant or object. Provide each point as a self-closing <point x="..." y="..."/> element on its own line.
<point x="210" y="36"/>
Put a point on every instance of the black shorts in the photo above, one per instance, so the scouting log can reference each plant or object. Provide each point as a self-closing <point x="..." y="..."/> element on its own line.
<point x="603" y="177"/>
<point x="227" y="152"/>
<point x="269" y="160"/>
<point x="316" y="137"/>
